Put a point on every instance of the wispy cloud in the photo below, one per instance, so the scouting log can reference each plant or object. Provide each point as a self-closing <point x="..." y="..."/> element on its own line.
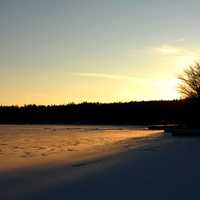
<point x="170" y="50"/>
<point x="127" y="78"/>
<point x="167" y="85"/>
<point x="180" y="40"/>
<point x="108" y="76"/>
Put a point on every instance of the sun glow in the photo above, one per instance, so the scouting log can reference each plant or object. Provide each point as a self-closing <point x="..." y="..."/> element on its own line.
<point x="185" y="61"/>
<point x="182" y="57"/>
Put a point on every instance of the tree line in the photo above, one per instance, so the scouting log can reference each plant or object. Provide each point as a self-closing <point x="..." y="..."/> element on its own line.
<point x="133" y="113"/>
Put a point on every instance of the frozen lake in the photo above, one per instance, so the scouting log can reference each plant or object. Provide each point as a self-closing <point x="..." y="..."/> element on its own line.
<point x="96" y="162"/>
<point x="22" y="145"/>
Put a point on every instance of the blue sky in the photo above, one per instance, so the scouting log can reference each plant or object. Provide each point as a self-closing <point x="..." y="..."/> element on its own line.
<point x="54" y="52"/>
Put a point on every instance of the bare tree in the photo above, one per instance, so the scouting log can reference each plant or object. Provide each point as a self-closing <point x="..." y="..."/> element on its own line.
<point x="190" y="82"/>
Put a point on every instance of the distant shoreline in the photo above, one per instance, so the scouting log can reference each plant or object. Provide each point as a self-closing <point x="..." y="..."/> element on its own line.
<point x="131" y="113"/>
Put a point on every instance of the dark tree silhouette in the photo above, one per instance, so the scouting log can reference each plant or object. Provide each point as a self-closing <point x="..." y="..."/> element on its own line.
<point x="131" y="113"/>
<point x="190" y="90"/>
<point x="190" y="82"/>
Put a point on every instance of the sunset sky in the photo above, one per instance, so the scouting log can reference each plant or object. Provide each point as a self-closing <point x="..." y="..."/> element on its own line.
<point x="56" y="52"/>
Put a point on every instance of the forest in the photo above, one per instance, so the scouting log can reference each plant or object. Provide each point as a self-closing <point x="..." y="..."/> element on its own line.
<point x="130" y="113"/>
